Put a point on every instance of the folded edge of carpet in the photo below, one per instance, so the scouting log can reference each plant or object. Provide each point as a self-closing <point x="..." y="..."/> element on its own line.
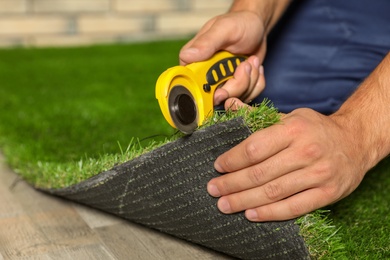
<point x="165" y="189"/>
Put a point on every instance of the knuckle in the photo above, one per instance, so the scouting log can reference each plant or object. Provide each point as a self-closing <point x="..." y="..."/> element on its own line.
<point x="322" y="172"/>
<point x="257" y="175"/>
<point x="324" y="169"/>
<point x="226" y="163"/>
<point x="300" y="121"/>
<point x="236" y="203"/>
<point x="251" y="152"/>
<point x="272" y="191"/>
<point x="332" y="193"/>
<point x="225" y="187"/>
<point x="304" y="112"/>
<point x="312" y="151"/>
<point x="297" y="209"/>
<point x="267" y="213"/>
<point x="296" y="125"/>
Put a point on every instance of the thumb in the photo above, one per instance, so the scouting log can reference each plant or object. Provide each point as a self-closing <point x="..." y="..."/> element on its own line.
<point x="212" y="37"/>
<point x="194" y="54"/>
<point x="201" y="48"/>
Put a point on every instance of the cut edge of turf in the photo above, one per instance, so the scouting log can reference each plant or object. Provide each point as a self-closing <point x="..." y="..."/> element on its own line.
<point x="321" y="236"/>
<point x="49" y="174"/>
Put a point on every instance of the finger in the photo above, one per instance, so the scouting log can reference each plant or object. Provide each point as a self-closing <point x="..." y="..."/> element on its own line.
<point x="255" y="149"/>
<point x="247" y="83"/>
<point x="240" y="84"/>
<point x="273" y="191"/>
<point x="220" y="95"/>
<point x="234" y="104"/>
<point x="292" y="207"/>
<point x="237" y="85"/>
<point x="257" y="175"/>
<point x="258" y="87"/>
<point x="257" y="80"/>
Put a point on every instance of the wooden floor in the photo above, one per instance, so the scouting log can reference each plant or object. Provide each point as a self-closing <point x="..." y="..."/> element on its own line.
<point x="34" y="225"/>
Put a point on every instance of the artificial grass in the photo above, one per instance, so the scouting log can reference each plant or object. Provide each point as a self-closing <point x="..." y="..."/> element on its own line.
<point x="56" y="103"/>
<point x="66" y="109"/>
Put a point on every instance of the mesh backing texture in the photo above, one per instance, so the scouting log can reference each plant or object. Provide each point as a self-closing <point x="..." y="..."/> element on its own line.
<point x="165" y="189"/>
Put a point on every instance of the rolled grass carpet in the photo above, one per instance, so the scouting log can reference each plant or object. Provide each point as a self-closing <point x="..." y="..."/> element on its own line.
<point x="165" y="190"/>
<point x="65" y="110"/>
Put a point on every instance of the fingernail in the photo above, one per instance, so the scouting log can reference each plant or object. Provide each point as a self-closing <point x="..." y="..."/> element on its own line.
<point x="248" y="68"/>
<point x="256" y="62"/>
<point x="213" y="190"/>
<point x="224" y="206"/>
<point x="251" y="214"/>
<point x="261" y="70"/>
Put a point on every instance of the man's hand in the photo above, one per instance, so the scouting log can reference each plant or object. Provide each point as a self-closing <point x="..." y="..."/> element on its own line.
<point x="308" y="160"/>
<point x="239" y="33"/>
<point x="294" y="167"/>
<point x="236" y="32"/>
<point x="243" y="30"/>
<point x="247" y="83"/>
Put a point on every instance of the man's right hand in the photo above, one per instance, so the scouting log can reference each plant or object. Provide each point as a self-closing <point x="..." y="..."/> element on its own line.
<point x="243" y="30"/>
<point x="236" y="32"/>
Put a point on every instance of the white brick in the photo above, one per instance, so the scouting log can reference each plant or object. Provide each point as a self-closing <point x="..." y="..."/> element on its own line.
<point x="222" y="5"/>
<point x="66" y="6"/>
<point x="69" y="40"/>
<point x="26" y="25"/>
<point x="13" y="6"/>
<point x="81" y="22"/>
<point x="145" y="5"/>
<point x="113" y="24"/>
<point x="11" y="42"/>
<point x="183" y="22"/>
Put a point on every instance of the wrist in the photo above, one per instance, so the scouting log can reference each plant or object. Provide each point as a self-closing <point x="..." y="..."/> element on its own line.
<point x="356" y="140"/>
<point x="365" y="115"/>
<point x="269" y="11"/>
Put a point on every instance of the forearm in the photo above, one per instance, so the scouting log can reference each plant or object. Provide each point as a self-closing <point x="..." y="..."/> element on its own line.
<point x="366" y="114"/>
<point x="268" y="10"/>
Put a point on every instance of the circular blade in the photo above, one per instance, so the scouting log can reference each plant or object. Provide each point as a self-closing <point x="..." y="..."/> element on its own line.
<point x="183" y="110"/>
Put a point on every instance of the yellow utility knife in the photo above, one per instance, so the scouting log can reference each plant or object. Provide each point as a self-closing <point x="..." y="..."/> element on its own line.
<point x="185" y="93"/>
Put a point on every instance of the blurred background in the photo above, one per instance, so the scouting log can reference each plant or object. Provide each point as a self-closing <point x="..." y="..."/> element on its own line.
<point x="83" y="22"/>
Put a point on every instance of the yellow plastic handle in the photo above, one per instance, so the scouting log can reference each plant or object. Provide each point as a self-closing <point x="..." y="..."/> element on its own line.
<point x="199" y="80"/>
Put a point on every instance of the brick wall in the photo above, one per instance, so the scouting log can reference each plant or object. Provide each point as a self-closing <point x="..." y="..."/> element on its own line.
<point x="81" y="22"/>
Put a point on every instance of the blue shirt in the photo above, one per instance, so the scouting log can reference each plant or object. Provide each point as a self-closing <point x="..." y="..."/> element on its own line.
<point x="321" y="50"/>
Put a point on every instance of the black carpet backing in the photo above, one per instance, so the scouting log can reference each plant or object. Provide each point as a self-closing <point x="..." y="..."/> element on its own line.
<point x="165" y="189"/>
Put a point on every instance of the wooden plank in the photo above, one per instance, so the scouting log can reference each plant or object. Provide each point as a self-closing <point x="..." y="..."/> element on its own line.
<point x="144" y="243"/>
<point x="93" y="252"/>
<point x="9" y="206"/>
<point x="95" y="218"/>
<point x="44" y="232"/>
<point x="36" y="225"/>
